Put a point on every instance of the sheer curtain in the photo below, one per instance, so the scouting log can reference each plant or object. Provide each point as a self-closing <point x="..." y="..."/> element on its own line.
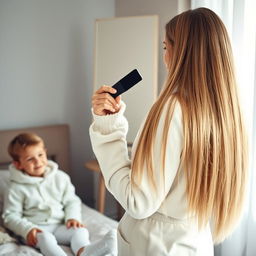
<point x="239" y="17"/>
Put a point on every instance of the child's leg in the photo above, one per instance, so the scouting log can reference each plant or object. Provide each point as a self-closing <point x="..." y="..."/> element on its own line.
<point x="64" y="235"/>
<point x="107" y="245"/>
<point x="47" y="244"/>
<point x="80" y="239"/>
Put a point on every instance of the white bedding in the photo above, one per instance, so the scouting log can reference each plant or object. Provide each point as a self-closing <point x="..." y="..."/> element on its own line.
<point x="97" y="224"/>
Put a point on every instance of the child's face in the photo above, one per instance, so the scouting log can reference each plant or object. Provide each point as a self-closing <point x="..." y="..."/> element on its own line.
<point x="32" y="160"/>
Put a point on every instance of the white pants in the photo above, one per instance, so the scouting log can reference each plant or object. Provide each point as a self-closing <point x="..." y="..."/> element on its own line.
<point x="52" y="235"/>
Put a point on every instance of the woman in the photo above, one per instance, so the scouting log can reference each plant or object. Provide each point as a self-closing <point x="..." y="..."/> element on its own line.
<point x="189" y="159"/>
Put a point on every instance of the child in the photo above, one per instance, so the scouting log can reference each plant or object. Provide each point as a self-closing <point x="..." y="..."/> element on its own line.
<point x="41" y="205"/>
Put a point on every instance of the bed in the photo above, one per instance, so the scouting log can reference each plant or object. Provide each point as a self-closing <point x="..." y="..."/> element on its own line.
<point x="56" y="138"/>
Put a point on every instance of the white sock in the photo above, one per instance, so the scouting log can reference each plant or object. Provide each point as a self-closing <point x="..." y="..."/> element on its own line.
<point x="107" y="245"/>
<point x="79" y="239"/>
<point x="47" y="244"/>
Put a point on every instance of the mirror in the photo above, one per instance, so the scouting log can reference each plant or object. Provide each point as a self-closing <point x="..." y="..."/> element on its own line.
<point x="121" y="45"/>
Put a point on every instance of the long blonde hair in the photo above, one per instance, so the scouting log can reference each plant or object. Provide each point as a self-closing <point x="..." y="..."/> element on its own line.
<point x="214" y="157"/>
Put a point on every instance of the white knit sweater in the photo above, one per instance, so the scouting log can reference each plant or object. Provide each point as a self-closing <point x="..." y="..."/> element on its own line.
<point x="108" y="137"/>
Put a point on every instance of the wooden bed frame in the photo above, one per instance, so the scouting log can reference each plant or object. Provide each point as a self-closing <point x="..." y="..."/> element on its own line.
<point x="56" y="138"/>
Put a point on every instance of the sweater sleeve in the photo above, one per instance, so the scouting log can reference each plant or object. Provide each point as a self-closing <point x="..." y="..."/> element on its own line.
<point x="108" y="137"/>
<point x="71" y="202"/>
<point x="12" y="215"/>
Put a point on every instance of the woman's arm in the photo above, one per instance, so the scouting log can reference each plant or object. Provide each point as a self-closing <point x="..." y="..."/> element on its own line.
<point x="108" y="137"/>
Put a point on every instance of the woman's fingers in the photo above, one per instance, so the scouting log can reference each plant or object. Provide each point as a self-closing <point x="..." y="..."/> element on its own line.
<point x="104" y="91"/>
<point x="106" y="88"/>
<point x="118" y="99"/>
<point x="103" y="108"/>
<point x="103" y="103"/>
<point x="103" y="98"/>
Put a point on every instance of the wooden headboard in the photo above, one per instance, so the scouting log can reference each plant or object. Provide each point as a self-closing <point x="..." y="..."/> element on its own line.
<point x="56" y="138"/>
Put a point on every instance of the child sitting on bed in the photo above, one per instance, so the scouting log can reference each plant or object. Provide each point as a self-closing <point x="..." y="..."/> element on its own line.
<point x="41" y="205"/>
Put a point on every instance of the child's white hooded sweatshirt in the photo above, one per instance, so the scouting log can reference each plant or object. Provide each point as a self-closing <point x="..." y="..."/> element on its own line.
<point x="33" y="201"/>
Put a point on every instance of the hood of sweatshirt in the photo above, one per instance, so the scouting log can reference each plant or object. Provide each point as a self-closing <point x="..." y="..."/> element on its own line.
<point x="19" y="176"/>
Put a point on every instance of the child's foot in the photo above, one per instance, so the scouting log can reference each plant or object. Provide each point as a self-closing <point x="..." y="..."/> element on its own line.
<point x="107" y="245"/>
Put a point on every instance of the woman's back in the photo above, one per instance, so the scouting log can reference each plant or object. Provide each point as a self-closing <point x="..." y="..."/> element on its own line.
<point x="201" y="77"/>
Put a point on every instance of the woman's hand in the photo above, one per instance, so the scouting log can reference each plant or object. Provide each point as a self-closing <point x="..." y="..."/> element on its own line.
<point x="31" y="236"/>
<point x="103" y="103"/>
<point x="72" y="223"/>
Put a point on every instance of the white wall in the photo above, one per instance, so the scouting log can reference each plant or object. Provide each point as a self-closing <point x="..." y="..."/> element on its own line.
<point x="46" y="70"/>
